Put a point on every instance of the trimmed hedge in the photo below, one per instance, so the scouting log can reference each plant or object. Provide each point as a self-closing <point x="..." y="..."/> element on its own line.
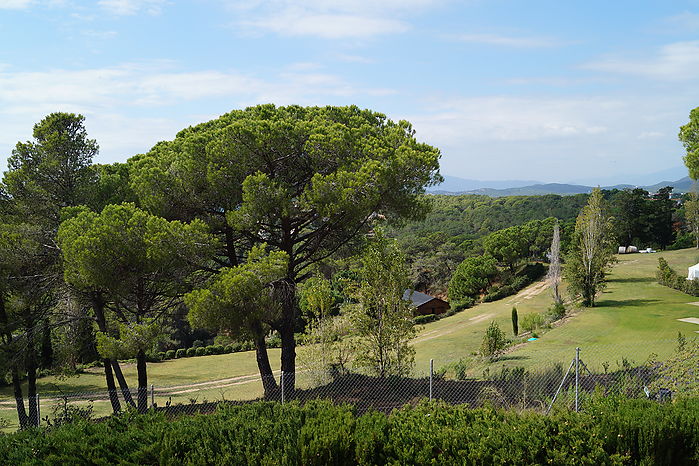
<point x="668" y="277"/>
<point x="610" y="431"/>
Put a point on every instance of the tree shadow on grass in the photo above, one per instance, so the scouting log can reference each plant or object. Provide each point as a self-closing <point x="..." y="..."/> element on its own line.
<point x="511" y="357"/>
<point x="632" y="280"/>
<point x="626" y="302"/>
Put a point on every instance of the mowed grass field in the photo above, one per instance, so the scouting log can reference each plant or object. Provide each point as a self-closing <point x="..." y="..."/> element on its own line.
<point x="635" y="317"/>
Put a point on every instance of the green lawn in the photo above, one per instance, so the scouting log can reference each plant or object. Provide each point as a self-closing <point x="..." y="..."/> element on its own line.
<point x="634" y="318"/>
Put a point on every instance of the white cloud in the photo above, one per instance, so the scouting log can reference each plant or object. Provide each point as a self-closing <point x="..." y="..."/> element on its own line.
<point x="678" y="61"/>
<point x="685" y="21"/>
<point x="132" y="7"/>
<point x="331" y="19"/>
<point x="15" y="4"/>
<point x="508" y="41"/>
<point x="117" y="101"/>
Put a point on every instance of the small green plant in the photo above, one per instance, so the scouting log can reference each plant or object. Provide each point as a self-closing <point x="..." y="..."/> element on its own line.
<point x="181" y="353"/>
<point x="170" y="354"/>
<point x="494" y="341"/>
<point x="200" y="351"/>
<point x="532" y="322"/>
<point x="197" y="344"/>
<point x="191" y="352"/>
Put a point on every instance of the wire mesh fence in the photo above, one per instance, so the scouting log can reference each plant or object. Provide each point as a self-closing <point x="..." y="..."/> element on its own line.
<point x="559" y="384"/>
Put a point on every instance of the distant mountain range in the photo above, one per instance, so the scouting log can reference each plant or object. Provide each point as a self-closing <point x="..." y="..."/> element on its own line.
<point x="517" y="188"/>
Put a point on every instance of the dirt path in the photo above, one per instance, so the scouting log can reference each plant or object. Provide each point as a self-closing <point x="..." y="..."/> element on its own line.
<point x="529" y="292"/>
<point x="441" y="332"/>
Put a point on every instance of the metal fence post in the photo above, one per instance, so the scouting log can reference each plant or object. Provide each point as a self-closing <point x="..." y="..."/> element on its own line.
<point x="431" y="376"/>
<point x="38" y="411"/>
<point x="281" y="382"/>
<point x="152" y="396"/>
<point x="577" y="376"/>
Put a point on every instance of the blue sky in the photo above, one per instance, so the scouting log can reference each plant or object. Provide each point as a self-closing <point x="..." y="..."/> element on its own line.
<point x="545" y="90"/>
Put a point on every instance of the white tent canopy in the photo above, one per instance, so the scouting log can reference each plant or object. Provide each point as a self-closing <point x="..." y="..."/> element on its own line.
<point x="693" y="273"/>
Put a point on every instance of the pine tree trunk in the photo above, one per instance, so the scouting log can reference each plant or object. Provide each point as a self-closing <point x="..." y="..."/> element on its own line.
<point x="123" y="385"/>
<point x="31" y="376"/>
<point x="268" y="382"/>
<point x="142" y="382"/>
<point x="19" y="398"/>
<point x="286" y="331"/>
<point x="111" y="386"/>
<point x="110" y="365"/>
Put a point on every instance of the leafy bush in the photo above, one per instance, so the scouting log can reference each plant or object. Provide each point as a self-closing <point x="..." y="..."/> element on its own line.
<point x="612" y="430"/>
<point x="556" y="312"/>
<point x="531" y="322"/>
<point x="494" y="341"/>
<point x="461" y="304"/>
<point x="425" y="319"/>
<point x="682" y="241"/>
<point x="170" y="354"/>
<point x="229" y="349"/>
<point x="191" y="352"/>
<point x="199" y="351"/>
<point x="273" y="341"/>
<point x="665" y="275"/>
<point x="181" y="353"/>
<point x="161" y="356"/>
<point x="197" y="344"/>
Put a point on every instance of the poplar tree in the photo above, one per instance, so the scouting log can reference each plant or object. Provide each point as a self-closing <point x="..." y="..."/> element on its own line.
<point x="592" y="251"/>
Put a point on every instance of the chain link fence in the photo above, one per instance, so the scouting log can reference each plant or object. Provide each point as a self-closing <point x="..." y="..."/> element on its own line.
<point x="561" y="385"/>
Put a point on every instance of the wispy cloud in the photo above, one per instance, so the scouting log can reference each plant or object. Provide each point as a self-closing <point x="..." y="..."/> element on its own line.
<point x="508" y="41"/>
<point x="116" y="98"/>
<point x="678" y="61"/>
<point x="132" y="7"/>
<point x="331" y="19"/>
<point x="686" y="21"/>
<point x="15" y="4"/>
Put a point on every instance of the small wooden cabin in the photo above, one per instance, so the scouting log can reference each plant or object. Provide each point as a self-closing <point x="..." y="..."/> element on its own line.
<point x="425" y="304"/>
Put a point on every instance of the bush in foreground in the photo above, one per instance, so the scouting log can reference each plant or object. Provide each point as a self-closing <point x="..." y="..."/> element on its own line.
<point x="611" y="431"/>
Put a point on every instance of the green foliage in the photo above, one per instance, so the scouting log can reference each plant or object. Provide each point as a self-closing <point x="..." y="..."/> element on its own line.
<point x="668" y="277"/>
<point x="532" y="322"/>
<point x="201" y="351"/>
<point x="133" y="338"/>
<point x="515" y="322"/>
<point x="611" y="431"/>
<point x="689" y="136"/>
<point x="170" y="354"/>
<point x="383" y="319"/>
<point x="425" y="319"/>
<point x="556" y="312"/>
<point x="494" y="341"/>
<point x="472" y="277"/>
<point x="592" y="250"/>
<point x="191" y="352"/>
<point x="238" y="297"/>
<point x="181" y="353"/>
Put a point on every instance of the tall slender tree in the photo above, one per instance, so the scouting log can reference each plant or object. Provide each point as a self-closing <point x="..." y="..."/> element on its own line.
<point x="554" y="273"/>
<point x="592" y="250"/>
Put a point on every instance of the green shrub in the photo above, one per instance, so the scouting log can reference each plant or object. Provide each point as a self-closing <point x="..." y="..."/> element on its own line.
<point x="191" y="352"/>
<point x="461" y="304"/>
<point x="161" y="356"/>
<point x="494" y="341"/>
<point x="181" y="353"/>
<point x="272" y="341"/>
<point x="556" y="312"/>
<point x="170" y="354"/>
<point x="610" y="430"/>
<point x="531" y="322"/>
<point x="425" y="319"/>
<point x="200" y="351"/>
<point x="228" y="349"/>
<point x="197" y="344"/>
